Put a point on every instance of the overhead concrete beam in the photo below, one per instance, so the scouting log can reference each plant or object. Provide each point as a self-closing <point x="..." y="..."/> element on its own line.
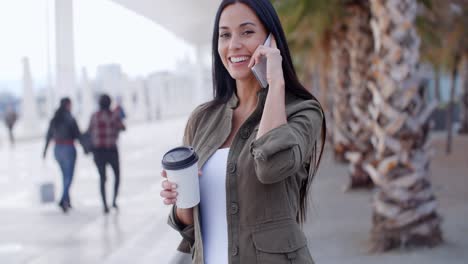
<point x="191" y="20"/>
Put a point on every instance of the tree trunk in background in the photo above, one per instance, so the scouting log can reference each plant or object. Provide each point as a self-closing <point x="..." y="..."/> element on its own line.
<point x="352" y="45"/>
<point x="404" y="206"/>
<point x="437" y="84"/>
<point x="340" y="47"/>
<point x="464" y="98"/>
<point x="361" y="42"/>
<point x="325" y="91"/>
<point x="450" y="107"/>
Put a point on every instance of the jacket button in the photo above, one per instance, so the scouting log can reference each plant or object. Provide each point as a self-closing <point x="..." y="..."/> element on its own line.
<point x="245" y="133"/>
<point x="232" y="167"/>
<point x="234" y="208"/>
<point x="235" y="251"/>
<point x="291" y="255"/>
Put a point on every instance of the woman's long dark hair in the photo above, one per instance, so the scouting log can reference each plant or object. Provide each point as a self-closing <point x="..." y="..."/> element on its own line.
<point x="62" y="111"/>
<point x="224" y="85"/>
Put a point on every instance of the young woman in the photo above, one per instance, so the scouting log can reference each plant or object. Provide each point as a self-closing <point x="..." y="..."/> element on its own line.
<point x="104" y="128"/>
<point x="64" y="130"/>
<point x="257" y="148"/>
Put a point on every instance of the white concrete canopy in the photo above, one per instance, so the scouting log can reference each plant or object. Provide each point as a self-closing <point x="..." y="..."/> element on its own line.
<point x="191" y="20"/>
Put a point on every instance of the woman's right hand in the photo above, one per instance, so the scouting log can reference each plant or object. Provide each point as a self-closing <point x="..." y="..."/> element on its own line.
<point x="169" y="190"/>
<point x="169" y="194"/>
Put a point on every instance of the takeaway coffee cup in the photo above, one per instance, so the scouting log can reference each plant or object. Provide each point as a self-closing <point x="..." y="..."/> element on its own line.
<point x="181" y="167"/>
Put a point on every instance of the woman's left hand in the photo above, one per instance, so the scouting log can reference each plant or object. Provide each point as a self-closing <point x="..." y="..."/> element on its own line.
<point x="274" y="62"/>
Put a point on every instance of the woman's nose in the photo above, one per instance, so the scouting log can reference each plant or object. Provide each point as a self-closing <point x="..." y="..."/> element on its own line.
<point x="235" y="43"/>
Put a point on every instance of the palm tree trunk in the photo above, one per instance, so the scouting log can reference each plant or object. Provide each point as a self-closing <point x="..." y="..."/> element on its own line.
<point x="326" y="91"/>
<point x="464" y="98"/>
<point x="361" y="44"/>
<point x="352" y="44"/>
<point x="437" y="84"/>
<point x="404" y="207"/>
<point x="450" y="107"/>
<point x="341" y="81"/>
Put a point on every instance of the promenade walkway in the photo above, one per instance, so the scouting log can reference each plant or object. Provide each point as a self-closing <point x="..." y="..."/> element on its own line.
<point x="337" y="230"/>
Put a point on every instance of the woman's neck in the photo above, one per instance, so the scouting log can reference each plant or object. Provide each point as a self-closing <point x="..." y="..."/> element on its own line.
<point x="247" y="93"/>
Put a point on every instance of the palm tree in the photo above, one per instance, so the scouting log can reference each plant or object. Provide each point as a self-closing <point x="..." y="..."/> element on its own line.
<point x="432" y="49"/>
<point x="456" y="47"/>
<point x="340" y="81"/>
<point x="404" y="207"/>
<point x="352" y="98"/>
<point x="444" y="30"/>
<point x="338" y="34"/>
<point x="464" y="98"/>
<point x="453" y="24"/>
<point x="308" y="27"/>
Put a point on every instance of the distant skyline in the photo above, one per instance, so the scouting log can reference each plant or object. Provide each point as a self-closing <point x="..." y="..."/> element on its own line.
<point x="104" y="33"/>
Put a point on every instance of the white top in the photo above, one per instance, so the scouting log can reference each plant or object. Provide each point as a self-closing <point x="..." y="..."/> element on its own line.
<point x="213" y="208"/>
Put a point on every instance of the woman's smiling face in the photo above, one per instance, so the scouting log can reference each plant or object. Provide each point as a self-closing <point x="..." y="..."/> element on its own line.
<point x="240" y="33"/>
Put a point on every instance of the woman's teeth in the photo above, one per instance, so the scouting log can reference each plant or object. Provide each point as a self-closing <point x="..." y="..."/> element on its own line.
<point x="239" y="59"/>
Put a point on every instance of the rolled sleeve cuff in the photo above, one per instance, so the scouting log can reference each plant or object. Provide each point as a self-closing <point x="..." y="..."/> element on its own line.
<point x="274" y="141"/>
<point x="186" y="231"/>
<point x="276" y="155"/>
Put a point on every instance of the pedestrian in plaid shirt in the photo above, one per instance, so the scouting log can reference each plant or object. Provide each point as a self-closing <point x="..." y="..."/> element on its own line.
<point x="104" y="128"/>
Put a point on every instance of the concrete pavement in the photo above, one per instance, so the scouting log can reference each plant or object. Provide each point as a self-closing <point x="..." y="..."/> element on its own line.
<point x="34" y="233"/>
<point x="340" y="222"/>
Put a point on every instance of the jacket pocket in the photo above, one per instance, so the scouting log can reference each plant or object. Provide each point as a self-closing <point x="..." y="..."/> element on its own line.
<point x="281" y="243"/>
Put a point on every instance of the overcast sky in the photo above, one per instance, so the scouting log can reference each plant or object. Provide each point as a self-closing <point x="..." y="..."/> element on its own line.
<point x="104" y="33"/>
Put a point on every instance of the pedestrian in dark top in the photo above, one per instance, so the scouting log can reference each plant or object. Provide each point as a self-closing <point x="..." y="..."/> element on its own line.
<point x="104" y="128"/>
<point x="10" y="120"/>
<point x="64" y="130"/>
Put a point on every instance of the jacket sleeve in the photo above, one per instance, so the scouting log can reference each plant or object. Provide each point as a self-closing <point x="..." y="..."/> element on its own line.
<point x="49" y="135"/>
<point x="192" y="123"/>
<point x="75" y="129"/>
<point x="186" y="231"/>
<point x="282" y="151"/>
<point x="77" y="134"/>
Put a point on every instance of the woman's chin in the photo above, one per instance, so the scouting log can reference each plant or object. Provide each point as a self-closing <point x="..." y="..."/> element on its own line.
<point x="244" y="76"/>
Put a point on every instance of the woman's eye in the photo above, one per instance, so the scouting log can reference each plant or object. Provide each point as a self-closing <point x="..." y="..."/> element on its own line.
<point x="224" y="35"/>
<point x="247" y="32"/>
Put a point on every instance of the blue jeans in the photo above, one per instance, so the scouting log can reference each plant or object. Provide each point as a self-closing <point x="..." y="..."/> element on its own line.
<point x="66" y="158"/>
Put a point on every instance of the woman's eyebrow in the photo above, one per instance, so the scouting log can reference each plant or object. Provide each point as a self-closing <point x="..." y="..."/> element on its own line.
<point x="241" y="25"/>
<point x="246" y="24"/>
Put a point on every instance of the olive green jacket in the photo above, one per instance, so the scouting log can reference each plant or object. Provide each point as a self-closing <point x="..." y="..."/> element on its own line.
<point x="263" y="178"/>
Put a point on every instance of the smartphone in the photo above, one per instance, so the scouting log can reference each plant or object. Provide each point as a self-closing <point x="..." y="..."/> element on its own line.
<point x="259" y="69"/>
